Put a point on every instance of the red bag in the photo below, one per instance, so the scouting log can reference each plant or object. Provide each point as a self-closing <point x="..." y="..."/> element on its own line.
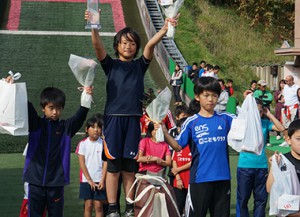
<point x="24" y="209"/>
<point x="153" y="191"/>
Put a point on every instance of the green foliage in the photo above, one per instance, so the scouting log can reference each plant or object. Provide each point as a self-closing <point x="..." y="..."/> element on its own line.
<point x="219" y="36"/>
<point x="275" y="16"/>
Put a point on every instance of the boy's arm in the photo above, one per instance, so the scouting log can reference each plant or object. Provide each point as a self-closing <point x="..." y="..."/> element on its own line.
<point x="149" y="48"/>
<point x="98" y="45"/>
<point x="270" y="181"/>
<point x="277" y="125"/>
<point x="170" y="140"/>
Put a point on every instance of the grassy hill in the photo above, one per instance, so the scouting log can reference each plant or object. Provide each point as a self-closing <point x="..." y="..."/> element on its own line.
<point x="219" y="36"/>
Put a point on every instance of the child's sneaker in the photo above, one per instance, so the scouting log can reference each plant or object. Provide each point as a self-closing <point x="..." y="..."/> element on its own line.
<point x="129" y="213"/>
<point x="278" y="137"/>
<point x="113" y="214"/>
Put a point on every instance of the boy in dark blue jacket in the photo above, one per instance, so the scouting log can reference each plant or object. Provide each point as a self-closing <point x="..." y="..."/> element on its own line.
<point x="47" y="165"/>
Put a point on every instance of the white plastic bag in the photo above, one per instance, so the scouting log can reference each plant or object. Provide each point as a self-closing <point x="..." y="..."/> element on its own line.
<point x="246" y="131"/>
<point x="158" y="109"/>
<point x="285" y="183"/>
<point x="171" y="10"/>
<point x="13" y="109"/>
<point x="84" y="71"/>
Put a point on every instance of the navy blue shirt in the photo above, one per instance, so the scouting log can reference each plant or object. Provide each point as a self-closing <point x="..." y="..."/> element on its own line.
<point x="125" y="85"/>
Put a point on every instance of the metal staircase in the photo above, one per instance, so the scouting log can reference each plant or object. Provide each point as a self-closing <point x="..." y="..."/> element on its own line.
<point x="158" y="21"/>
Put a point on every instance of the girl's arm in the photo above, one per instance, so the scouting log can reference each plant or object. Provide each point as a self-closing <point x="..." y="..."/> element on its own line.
<point x="176" y="170"/>
<point x="179" y="76"/>
<point x="104" y="171"/>
<point x="165" y="163"/>
<point x="85" y="171"/>
<point x="96" y="40"/>
<point x="98" y="45"/>
<point x="270" y="181"/>
<point x="146" y="159"/>
<point x="179" y="183"/>
<point x="149" y="48"/>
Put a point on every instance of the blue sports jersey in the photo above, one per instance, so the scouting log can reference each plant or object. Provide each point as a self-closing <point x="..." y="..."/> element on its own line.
<point x="125" y="85"/>
<point x="207" y="137"/>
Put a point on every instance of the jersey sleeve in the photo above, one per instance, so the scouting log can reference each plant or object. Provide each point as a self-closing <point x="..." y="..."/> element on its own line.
<point x="142" y="145"/>
<point x="80" y="148"/>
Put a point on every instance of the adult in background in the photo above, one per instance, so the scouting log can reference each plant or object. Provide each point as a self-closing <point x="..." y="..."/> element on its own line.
<point x="223" y="98"/>
<point x="253" y="86"/>
<point x="201" y="68"/>
<point x="291" y="104"/>
<point x="193" y="72"/>
<point x="278" y="97"/>
<point x="263" y="94"/>
<point x="176" y="83"/>
<point x="229" y="87"/>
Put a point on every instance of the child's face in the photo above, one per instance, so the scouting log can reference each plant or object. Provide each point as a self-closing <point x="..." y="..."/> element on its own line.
<point x="52" y="111"/>
<point x="126" y="49"/>
<point x="94" y="132"/>
<point x="208" y="100"/>
<point x="181" y="115"/>
<point x="294" y="142"/>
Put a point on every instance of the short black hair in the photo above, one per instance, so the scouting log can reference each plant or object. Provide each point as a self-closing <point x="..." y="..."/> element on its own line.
<point x="253" y="82"/>
<point x="194" y="107"/>
<point x="100" y="118"/>
<point x="229" y="81"/>
<point x="194" y="64"/>
<point x="294" y="126"/>
<point x="207" y="84"/>
<point x="221" y="80"/>
<point x="52" y="95"/>
<point x="180" y="109"/>
<point x="92" y="121"/>
<point x="216" y="67"/>
<point x="130" y="35"/>
<point x="150" y="129"/>
<point x="259" y="101"/>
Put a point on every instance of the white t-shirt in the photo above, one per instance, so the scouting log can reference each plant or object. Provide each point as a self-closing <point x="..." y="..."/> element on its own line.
<point x="209" y="74"/>
<point x="290" y="95"/>
<point x="92" y="151"/>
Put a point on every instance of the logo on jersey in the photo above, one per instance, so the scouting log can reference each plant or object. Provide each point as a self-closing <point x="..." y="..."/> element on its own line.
<point x="220" y="128"/>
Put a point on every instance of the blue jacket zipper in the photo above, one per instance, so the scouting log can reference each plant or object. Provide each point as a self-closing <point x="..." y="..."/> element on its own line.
<point x="47" y="153"/>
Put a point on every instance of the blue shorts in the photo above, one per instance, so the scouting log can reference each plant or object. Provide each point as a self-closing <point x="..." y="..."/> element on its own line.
<point x="86" y="193"/>
<point x="122" y="136"/>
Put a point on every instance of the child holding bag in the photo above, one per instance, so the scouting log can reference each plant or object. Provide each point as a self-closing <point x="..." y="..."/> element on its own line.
<point x="293" y="156"/>
<point x="252" y="170"/>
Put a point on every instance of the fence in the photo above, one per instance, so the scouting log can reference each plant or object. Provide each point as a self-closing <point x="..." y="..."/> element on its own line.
<point x="271" y="74"/>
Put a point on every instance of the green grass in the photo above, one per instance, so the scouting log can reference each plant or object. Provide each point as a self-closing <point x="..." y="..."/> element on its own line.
<point x="11" y="186"/>
<point x="43" y="60"/>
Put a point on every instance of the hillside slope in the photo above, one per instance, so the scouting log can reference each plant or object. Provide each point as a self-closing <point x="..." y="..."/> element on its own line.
<point x="219" y="36"/>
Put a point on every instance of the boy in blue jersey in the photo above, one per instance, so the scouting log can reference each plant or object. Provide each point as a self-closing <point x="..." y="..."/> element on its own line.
<point x="123" y="109"/>
<point x="47" y="164"/>
<point x="206" y="133"/>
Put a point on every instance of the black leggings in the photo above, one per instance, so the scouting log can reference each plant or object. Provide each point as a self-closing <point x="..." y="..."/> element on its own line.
<point x="176" y="91"/>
